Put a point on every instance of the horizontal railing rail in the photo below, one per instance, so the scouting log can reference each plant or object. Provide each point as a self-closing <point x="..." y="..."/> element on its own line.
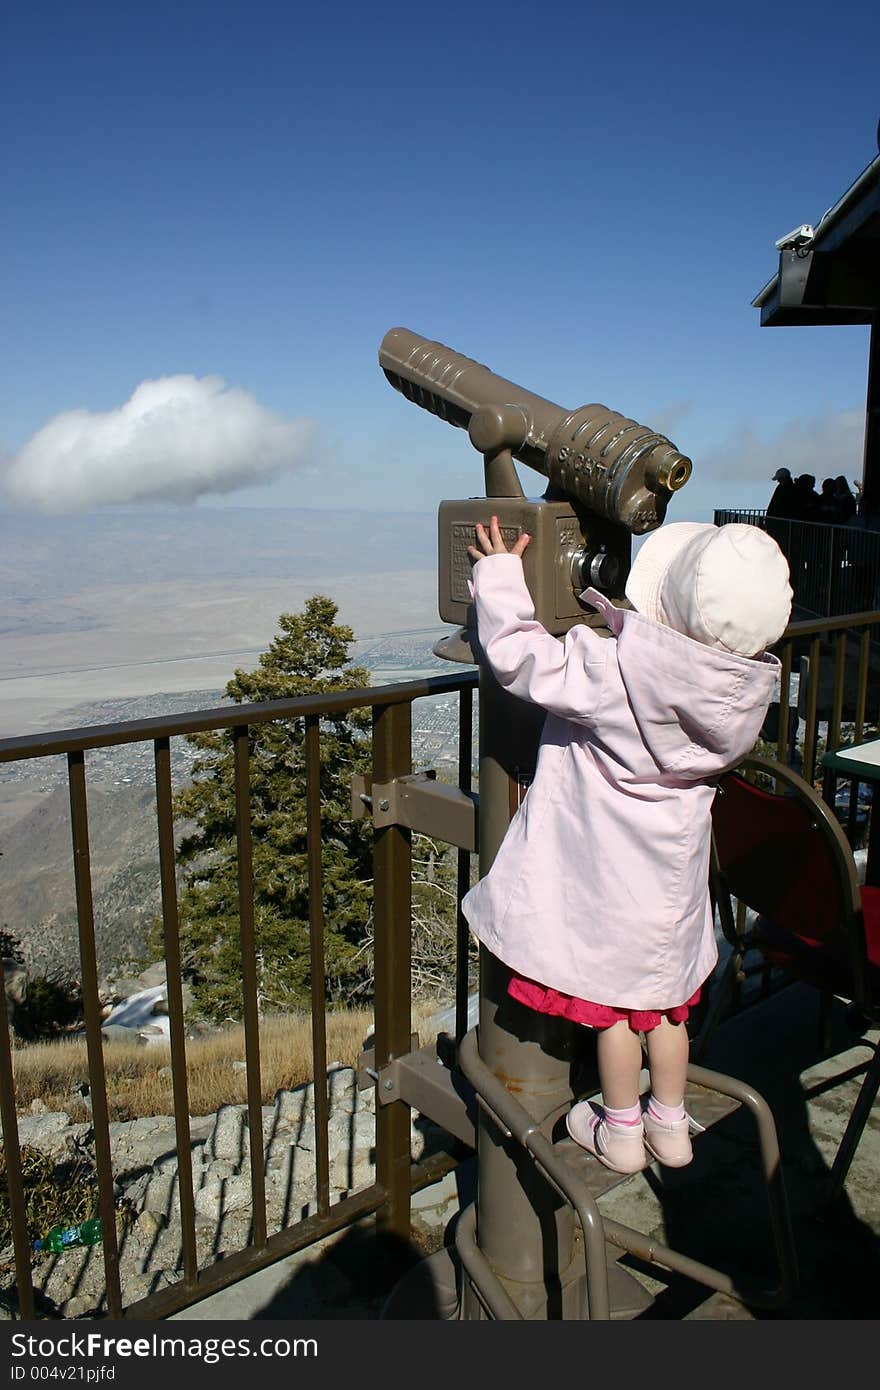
<point x="396" y="1173"/>
<point x="226" y="717"/>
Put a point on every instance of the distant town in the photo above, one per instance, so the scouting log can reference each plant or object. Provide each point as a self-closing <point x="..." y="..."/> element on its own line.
<point x="390" y="657"/>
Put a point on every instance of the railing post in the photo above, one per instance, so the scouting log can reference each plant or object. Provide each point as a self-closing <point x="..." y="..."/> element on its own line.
<point x="316" y="956"/>
<point x="82" y="873"/>
<point x="392" y="914"/>
<point x="174" y="982"/>
<point x="249" y="980"/>
<point x="830" y="537"/>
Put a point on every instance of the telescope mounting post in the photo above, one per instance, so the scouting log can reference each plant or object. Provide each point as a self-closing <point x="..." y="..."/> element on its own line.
<point x="502" y="479"/>
<point x="496" y="431"/>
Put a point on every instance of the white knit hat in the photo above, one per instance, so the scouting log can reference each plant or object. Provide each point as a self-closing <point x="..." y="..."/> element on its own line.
<point x="725" y="586"/>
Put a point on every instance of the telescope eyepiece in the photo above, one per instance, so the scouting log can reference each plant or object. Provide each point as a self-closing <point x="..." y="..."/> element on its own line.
<point x="671" y="472"/>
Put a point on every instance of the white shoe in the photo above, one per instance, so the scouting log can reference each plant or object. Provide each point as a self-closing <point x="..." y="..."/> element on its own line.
<point x="619" y="1147"/>
<point x="670" y="1143"/>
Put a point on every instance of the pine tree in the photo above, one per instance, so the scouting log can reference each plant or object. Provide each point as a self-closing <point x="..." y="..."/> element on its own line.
<point x="309" y="656"/>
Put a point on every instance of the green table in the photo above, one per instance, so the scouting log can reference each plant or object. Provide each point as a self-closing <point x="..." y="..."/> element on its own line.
<point x="861" y="763"/>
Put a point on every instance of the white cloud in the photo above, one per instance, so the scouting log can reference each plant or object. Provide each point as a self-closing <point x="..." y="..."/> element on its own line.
<point x="176" y="439"/>
<point x="825" y="446"/>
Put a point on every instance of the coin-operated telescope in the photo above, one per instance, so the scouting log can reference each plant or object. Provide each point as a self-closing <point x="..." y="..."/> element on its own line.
<point x="609" y="478"/>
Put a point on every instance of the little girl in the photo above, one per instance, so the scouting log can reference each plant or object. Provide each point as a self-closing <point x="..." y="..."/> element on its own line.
<point x="598" y="897"/>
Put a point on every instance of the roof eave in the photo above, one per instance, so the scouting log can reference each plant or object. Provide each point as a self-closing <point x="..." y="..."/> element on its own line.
<point x="783" y="299"/>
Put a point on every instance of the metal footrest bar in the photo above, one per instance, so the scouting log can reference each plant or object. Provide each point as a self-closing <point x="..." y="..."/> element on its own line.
<point x="855" y="1126"/>
<point x="487" y="1286"/>
<point x="515" y="1120"/>
<point x="636" y="1243"/>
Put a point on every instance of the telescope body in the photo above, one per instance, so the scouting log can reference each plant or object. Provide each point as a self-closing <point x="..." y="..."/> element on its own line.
<point x="609" y="478"/>
<point x="610" y="465"/>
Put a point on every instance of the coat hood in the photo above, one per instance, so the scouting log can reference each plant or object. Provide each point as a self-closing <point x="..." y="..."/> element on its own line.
<point x="699" y="710"/>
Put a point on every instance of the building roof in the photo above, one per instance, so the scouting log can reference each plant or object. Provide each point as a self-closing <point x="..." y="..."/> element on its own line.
<point x="830" y="274"/>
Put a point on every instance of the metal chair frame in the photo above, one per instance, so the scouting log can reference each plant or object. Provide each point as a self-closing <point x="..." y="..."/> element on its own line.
<point x="748" y="883"/>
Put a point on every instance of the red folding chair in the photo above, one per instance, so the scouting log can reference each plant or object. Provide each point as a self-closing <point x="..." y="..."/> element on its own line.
<point x="783" y="853"/>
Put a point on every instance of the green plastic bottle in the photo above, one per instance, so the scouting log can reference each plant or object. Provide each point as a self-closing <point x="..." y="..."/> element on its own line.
<point x="63" y="1237"/>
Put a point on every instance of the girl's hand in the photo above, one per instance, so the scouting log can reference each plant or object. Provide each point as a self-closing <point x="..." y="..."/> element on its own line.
<point x="492" y="544"/>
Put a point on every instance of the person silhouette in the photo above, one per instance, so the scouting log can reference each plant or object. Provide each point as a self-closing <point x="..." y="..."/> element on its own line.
<point x="782" y="501"/>
<point x="806" y="498"/>
<point x="827" y="509"/>
<point x="845" y="500"/>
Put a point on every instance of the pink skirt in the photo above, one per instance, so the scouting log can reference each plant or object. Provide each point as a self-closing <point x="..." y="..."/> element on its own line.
<point x="545" y="1000"/>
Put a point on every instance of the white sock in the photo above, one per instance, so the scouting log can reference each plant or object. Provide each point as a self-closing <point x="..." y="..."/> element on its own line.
<point x="630" y="1115"/>
<point x="666" y="1114"/>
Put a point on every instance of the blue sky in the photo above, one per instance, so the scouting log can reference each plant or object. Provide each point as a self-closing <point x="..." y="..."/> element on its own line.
<point x="586" y="199"/>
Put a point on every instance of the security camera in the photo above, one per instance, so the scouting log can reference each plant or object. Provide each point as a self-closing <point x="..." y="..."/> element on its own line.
<point x="796" y="240"/>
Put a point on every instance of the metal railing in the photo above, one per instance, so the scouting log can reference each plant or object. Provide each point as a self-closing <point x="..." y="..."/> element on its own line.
<point x="834" y="569"/>
<point x="397" y="1176"/>
<point x="838" y="686"/>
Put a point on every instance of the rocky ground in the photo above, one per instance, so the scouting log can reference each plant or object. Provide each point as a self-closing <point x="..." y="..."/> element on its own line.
<point x="146" y="1171"/>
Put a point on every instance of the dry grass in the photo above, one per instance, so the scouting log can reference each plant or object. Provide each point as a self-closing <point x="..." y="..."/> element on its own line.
<point x="52" y="1072"/>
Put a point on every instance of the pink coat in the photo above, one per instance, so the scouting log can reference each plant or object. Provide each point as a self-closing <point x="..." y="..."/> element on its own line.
<point x="600" y="888"/>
